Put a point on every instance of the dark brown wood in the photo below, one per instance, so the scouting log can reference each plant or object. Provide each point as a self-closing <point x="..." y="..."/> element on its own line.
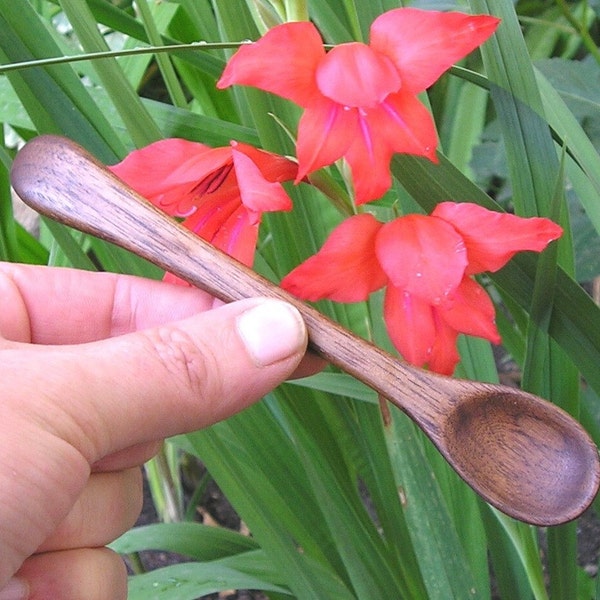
<point x="522" y="454"/>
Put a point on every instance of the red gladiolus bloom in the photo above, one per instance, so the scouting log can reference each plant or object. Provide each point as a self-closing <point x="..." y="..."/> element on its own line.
<point x="360" y="100"/>
<point x="425" y="263"/>
<point x="220" y="193"/>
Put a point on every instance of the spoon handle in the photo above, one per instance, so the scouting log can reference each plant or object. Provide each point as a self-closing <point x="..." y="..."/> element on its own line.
<point x="61" y="180"/>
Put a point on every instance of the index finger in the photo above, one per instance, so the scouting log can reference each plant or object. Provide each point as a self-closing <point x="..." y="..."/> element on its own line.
<point x="52" y="305"/>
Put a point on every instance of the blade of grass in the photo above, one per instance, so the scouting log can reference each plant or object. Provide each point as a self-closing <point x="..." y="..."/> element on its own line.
<point x="117" y="260"/>
<point x="165" y="486"/>
<point x="536" y="377"/>
<point x="506" y="561"/>
<point x="198" y="541"/>
<point x="524" y="540"/>
<point x="54" y="98"/>
<point x="444" y="568"/>
<point x="518" y="105"/>
<point x="31" y="251"/>
<point x="271" y="496"/>
<point x="165" y="65"/>
<point x="9" y="247"/>
<point x="548" y="372"/>
<point x="188" y="580"/>
<point x="467" y="116"/>
<point x="67" y="247"/>
<point x="114" y="18"/>
<point x="335" y="27"/>
<point x="376" y="472"/>
<point x="582" y="155"/>
<point x="331" y="465"/>
<point x="530" y="154"/>
<point x="140" y="126"/>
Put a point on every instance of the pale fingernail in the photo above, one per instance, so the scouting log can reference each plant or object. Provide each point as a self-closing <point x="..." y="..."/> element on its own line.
<point x="14" y="589"/>
<point x="271" y="331"/>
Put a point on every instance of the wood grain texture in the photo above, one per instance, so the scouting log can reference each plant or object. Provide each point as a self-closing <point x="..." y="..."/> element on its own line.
<point x="522" y="454"/>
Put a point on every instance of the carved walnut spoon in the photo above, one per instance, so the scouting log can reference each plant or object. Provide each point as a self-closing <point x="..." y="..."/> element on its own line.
<point x="522" y="454"/>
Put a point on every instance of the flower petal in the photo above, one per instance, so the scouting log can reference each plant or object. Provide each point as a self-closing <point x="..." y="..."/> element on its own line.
<point x="370" y="168"/>
<point x="425" y="43"/>
<point x="422" y="255"/>
<point x="170" y="278"/>
<point x="406" y="125"/>
<point x="238" y="235"/>
<point x="325" y="132"/>
<point x="345" y="269"/>
<point x="399" y="124"/>
<point x="282" y="62"/>
<point x="257" y="194"/>
<point x="471" y="311"/>
<point x="410" y="325"/>
<point x="227" y="225"/>
<point x="205" y="171"/>
<point x="148" y="170"/>
<point x="493" y="238"/>
<point x="174" y="174"/>
<point x="444" y="354"/>
<point x="211" y="215"/>
<point x="273" y="167"/>
<point x="354" y="75"/>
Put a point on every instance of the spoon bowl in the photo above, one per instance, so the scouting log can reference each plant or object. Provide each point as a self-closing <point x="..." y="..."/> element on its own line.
<point x="490" y="437"/>
<point x="522" y="454"/>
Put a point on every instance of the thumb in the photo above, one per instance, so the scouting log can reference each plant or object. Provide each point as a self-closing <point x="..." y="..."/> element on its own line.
<point x="172" y="379"/>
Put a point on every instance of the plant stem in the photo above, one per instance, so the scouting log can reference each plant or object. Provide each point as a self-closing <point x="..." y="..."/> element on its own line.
<point x="581" y="29"/>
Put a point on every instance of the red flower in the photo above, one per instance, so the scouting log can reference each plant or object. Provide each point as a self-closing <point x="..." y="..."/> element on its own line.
<point x="360" y="100"/>
<point x="425" y="262"/>
<point x="221" y="193"/>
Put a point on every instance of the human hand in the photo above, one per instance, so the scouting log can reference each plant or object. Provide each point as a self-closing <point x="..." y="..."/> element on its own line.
<point x="95" y="370"/>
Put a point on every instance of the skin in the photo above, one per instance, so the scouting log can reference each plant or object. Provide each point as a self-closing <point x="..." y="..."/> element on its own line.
<point x="96" y="370"/>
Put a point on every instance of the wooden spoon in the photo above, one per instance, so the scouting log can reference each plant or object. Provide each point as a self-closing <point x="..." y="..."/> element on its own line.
<point x="522" y="454"/>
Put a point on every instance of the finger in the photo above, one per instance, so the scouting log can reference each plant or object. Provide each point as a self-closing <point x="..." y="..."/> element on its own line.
<point x="108" y="507"/>
<point x="87" y="306"/>
<point x="90" y="573"/>
<point x="152" y="384"/>
<point x="134" y="456"/>
<point x="14" y="320"/>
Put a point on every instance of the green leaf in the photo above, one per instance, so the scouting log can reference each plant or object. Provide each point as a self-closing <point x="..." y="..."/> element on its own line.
<point x="201" y="542"/>
<point x="524" y="540"/>
<point x="273" y="497"/>
<point x="140" y="126"/>
<point x="54" y="98"/>
<point x="9" y="248"/>
<point x="517" y="100"/>
<point x="68" y="250"/>
<point x="167" y="70"/>
<point x="187" y="581"/>
<point x="338" y="384"/>
<point x="331" y="470"/>
<point x="583" y="161"/>
<point x="577" y="82"/>
<point x="444" y="568"/>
